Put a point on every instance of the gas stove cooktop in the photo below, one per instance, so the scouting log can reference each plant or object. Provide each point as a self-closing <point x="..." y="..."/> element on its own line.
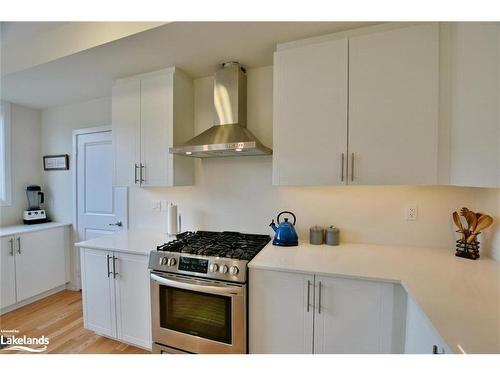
<point x="215" y="255"/>
<point x="232" y="245"/>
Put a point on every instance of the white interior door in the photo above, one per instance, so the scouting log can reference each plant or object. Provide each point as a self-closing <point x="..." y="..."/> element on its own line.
<point x="100" y="206"/>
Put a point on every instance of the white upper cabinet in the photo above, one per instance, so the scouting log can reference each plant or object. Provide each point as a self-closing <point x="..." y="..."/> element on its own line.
<point x="156" y="112"/>
<point x="393" y="106"/>
<point x="310" y="114"/>
<point x="126" y="119"/>
<point x="151" y="113"/>
<point x="473" y="81"/>
<point x="361" y="110"/>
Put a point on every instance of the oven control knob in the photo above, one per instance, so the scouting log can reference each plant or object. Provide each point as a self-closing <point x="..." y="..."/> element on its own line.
<point x="213" y="267"/>
<point x="171" y="262"/>
<point x="223" y="269"/>
<point x="233" y="270"/>
<point x="163" y="261"/>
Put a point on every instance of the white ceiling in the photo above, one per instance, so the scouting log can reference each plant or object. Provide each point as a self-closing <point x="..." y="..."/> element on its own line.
<point x="195" y="47"/>
<point x="20" y="31"/>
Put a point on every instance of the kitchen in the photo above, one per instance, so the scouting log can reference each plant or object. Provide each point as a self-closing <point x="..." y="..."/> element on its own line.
<point x="322" y="131"/>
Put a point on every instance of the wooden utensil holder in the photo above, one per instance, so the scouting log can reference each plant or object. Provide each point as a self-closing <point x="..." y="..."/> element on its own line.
<point x="467" y="250"/>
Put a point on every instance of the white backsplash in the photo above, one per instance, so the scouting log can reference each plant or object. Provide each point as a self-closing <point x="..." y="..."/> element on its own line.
<point x="236" y="194"/>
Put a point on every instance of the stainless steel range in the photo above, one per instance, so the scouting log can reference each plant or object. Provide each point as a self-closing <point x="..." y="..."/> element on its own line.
<point x="199" y="292"/>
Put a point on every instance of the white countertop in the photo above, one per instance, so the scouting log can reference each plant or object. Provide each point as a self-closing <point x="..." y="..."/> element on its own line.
<point x="461" y="297"/>
<point x="134" y="241"/>
<point x="13" y="230"/>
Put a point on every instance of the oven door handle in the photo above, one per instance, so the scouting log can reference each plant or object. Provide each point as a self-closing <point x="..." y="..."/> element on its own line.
<point x="198" y="286"/>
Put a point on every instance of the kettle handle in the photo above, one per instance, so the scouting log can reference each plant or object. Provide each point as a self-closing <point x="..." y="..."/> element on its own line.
<point x="287" y="212"/>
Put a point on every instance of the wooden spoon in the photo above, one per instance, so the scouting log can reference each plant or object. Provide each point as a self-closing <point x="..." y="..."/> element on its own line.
<point x="484" y="222"/>
<point x="472" y="221"/>
<point x="458" y="223"/>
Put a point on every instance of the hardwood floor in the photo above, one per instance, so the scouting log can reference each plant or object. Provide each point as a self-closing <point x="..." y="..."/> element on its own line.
<point x="60" y="318"/>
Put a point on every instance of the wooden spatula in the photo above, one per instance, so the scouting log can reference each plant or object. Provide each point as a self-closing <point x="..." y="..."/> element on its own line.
<point x="484" y="222"/>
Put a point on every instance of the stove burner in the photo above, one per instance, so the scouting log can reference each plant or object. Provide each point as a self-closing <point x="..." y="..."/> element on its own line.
<point x="218" y="244"/>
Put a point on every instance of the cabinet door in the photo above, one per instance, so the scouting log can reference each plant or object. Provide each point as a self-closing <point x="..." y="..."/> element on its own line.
<point x="279" y="320"/>
<point x="474" y="103"/>
<point x="421" y="337"/>
<point x="7" y="272"/>
<point x="126" y="111"/>
<point x="133" y="311"/>
<point x="98" y="291"/>
<point x="310" y="114"/>
<point x="353" y="316"/>
<point x="157" y="129"/>
<point x="40" y="261"/>
<point x="393" y="106"/>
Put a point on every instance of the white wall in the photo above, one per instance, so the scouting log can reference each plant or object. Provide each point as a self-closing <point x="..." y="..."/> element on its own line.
<point x="26" y="160"/>
<point x="236" y="193"/>
<point x="58" y="124"/>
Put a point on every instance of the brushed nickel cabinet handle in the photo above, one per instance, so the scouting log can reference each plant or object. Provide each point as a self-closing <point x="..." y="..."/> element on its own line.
<point x="11" y="243"/>
<point x="352" y="166"/>
<point x="107" y="263"/>
<point x="308" y="292"/>
<point x="19" y="245"/>
<point x="135" y="174"/>
<point x="342" y="169"/>
<point x="114" y="267"/>
<point x="143" y="167"/>
<point x="319" y="299"/>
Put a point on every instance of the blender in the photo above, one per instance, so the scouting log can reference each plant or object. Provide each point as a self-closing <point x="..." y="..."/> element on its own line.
<point x="34" y="214"/>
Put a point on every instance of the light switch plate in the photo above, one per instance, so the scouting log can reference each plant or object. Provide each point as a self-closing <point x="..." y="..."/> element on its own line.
<point x="156" y="206"/>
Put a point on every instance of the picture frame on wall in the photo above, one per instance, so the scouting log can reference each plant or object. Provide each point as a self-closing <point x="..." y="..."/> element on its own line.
<point x="56" y="162"/>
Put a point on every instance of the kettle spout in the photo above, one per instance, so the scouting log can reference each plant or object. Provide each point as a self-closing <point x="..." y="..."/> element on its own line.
<point x="272" y="225"/>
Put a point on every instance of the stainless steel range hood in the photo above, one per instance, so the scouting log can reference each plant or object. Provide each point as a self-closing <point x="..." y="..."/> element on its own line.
<point x="229" y="136"/>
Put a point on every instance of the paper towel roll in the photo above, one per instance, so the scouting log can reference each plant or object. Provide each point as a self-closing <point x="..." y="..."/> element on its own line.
<point x="172" y="228"/>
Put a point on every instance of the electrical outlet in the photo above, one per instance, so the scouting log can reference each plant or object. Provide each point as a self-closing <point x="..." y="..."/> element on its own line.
<point x="156" y="206"/>
<point x="411" y="212"/>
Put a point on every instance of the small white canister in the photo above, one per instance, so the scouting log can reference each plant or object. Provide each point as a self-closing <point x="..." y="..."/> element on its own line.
<point x="332" y="236"/>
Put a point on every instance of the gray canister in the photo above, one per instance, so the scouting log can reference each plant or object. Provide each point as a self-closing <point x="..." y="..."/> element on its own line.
<point x="332" y="236"/>
<point x="316" y="235"/>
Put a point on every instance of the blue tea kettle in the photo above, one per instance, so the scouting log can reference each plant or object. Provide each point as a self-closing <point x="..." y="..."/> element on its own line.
<point x="285" y="232"/>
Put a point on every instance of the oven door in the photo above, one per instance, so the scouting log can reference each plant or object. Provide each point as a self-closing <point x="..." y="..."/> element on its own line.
<point x="197" y="315"/>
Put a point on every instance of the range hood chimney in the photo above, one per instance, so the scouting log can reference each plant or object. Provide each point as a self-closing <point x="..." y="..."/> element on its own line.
<point x="229" y="136"/>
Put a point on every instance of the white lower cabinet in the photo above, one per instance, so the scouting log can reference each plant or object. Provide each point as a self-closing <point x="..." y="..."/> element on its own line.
<point x="421" y="337"/>
<point x="305" y="313"/>
<point x="7" y="272"/>
<point x="32" y="263"/>
<point x="279" y="318"/>
<point x="133" y="316"/>
<point x="116" y="300"/>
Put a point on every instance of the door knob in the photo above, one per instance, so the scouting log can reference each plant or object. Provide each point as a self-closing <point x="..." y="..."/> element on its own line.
<point x="118" y="224"/>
